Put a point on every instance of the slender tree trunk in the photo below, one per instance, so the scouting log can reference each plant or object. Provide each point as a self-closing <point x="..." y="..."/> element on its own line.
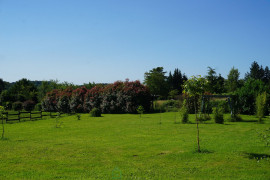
<point x="3" y="132"/>
<point x="198" y="133"/>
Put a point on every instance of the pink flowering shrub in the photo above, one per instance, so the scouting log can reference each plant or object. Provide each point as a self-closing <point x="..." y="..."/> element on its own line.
<point x="119" y="97"/>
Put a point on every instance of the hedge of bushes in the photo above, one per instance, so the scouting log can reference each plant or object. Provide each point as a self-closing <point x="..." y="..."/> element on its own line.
<point x="119" y="97"/>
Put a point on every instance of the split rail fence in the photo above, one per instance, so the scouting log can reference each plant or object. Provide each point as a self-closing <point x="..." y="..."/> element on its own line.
<point x="26" y="115"/>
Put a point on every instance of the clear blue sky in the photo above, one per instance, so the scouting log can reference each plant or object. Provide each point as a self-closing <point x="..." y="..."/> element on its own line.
<point x="107" y="40"/>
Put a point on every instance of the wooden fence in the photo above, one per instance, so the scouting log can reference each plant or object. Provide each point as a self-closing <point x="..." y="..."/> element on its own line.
<point x="26" y="115"/>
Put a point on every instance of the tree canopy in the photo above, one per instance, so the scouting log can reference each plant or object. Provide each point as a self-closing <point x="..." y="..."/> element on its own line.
<point x="155" y="80"/>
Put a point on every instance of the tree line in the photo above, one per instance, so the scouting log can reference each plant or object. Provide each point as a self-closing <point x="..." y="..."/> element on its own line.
<point x="26" y="93"/>
<point x="255" y="82"/>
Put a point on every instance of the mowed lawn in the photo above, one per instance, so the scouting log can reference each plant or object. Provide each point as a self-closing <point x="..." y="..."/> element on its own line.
<point x="129" y="147"/>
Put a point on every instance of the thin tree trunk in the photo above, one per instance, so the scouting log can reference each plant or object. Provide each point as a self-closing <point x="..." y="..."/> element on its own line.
<point x="198" y="133"/>
<point x="3" y="132"/>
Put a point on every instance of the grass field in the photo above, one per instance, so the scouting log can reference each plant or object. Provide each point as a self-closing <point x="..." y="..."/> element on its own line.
<point x="128" y="147"/>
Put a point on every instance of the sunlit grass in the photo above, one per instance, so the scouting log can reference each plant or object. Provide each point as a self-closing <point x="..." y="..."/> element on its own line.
<point x="129" y="147"/>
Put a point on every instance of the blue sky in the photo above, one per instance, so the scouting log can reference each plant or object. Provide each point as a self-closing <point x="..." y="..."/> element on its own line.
<point x="83" y="41"/>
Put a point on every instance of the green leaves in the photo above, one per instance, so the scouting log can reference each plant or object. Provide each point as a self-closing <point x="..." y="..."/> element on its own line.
<point x="195" y="85"/>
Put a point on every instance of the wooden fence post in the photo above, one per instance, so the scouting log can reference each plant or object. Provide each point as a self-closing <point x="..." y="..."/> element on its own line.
<point x="19" y="116"/>
<point x="30" y="116"/>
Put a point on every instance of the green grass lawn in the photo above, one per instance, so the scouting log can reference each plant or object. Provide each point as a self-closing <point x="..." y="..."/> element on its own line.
<point x="128" y="147"/>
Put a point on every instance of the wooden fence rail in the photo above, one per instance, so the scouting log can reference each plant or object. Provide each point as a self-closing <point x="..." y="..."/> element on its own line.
<point x="22" y="115"/>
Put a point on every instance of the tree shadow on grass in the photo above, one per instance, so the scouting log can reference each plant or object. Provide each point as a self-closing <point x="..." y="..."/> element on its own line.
<point x="248" y="121"/>
<point x="228" y="124"/>
<point x="4" y="139"/>
<point x="257" y="156"/>
<point x="204" y="151"/>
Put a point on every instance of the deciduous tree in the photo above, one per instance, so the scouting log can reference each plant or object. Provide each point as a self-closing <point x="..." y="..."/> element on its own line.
<point x="155" y="80"/>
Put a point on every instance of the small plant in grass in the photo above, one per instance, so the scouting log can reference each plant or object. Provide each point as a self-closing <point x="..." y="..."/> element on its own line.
<point x="78" y="116"/>
<point x="140" y="110"/>
<point x="184" y="113"/>
<point x="204" y="117"/>
<point x="195" y="87"/>
<point x="265" y="136"/>
<point x="261" y="106"/>
<point x="58" y="123"/>
<point x="2" y="118"/>
<point x="95" y="112"/>
<point x="218" y="115"/>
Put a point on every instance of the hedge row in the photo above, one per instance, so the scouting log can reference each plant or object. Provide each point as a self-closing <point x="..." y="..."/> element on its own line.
<point x="119" y="97"/>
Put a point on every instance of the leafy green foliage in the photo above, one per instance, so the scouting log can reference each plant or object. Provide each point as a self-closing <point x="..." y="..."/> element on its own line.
<point x="195" y="87"/>
<point x="176" y="82"/>
<point x="95" y="112"/>
<point x="38" y="107"/>
<point x="155" y="80"/>
<point x="140" y="110"/>
<point x="28" y="105"/>
<point x="215" y="83"/>
<point x="23" y="90"/>
<point x="184" y="113"/>
<point x="256" y="72"/>
<point x="264" y="135"/>
<point x="204" y="117"/>
<point x="2" y="85"/>
<point x="247" y="94"/>
<point x="8" y="105"/>
<point x="261" y="106"/>
<point x="218" y="115"/>
<point x="232" y="82"/>
<point x="173" y="94"/>
<point x="17" y="106"/>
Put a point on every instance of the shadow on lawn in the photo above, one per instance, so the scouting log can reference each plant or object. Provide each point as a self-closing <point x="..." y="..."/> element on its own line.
<point x="248" y="120"/>
<point x="257" y="156"/>
<point x="204" y="151"/>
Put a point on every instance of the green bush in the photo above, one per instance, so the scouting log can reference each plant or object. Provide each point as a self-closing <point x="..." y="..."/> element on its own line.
<point x="8" y="106"/>
<point x="38" y="107"/>
<point x="265" y="136"/>
<point x="17" y="106"/>
<point x="261" y="106"/>
<point x="184" y="113"/>
<point x="218" y="115"/>
<point x="28" y="105"/>
<point x="204" y="117"/>
<point x="171" y="106"/>
<point x="217" y="103"/>
<point x="95" y="112"/>
<point x="173" y="94"/>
